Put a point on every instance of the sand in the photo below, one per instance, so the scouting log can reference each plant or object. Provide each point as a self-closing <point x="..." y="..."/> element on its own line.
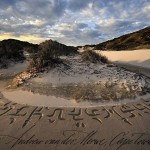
<point x="14" y="69"/>
<point x="134" y="57"/>
<point x="115" y="127"/>
<point x="35" y="99"/>
<point x="47" y="126"/>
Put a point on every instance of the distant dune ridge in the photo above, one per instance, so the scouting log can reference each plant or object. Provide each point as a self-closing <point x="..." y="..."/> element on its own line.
<point x="136" y="40"/>
<point x="13" y="50"/>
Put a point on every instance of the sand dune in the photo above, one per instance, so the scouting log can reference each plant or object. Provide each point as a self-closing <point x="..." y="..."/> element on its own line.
<point x="135" y="57"/>
<point x="33" y="121"/>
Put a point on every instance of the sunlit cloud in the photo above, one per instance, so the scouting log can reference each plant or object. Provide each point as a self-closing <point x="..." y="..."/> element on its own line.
<point x="29" y="38"/>
<point x="73" y="22"/>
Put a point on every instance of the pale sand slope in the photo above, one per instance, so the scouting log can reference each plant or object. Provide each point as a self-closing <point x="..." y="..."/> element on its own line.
<point x="121" y="127"/>
<point x="13" y="69"/>
<point x="135" y="57"/>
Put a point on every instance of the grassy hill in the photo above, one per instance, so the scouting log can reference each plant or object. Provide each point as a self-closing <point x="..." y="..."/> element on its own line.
<point x="136" y="40"/>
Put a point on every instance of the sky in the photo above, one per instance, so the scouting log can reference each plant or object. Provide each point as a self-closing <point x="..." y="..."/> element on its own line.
<point x="72" y="22"/>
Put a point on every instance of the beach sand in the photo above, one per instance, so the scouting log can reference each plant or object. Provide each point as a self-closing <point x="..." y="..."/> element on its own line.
<point x="71" y="126"/>
<point x="122" y="126"/>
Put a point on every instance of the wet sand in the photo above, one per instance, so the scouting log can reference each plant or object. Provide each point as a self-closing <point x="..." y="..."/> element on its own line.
<point x="115" y="127"/>
<point x="35" y="99"/>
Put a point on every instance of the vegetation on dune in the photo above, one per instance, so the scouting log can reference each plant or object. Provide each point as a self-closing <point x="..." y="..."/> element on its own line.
<point x="93" y="57"/>
<point x="48" y="55"/>
<point x="12" y="50"/>
<point x="56" y="49"/>
<point x="41" y="60"/>
<point x="44" y="54"/>
<point x="31" y="49"/>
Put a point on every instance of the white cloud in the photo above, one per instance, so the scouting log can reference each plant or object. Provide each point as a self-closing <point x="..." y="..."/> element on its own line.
<point x="73" y="22"/>
<point x="147" y="9"/>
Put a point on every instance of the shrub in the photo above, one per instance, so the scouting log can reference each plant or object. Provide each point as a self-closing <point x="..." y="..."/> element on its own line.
<point x="31" y="49"/>
<point x="13" y="49"/>
<point x="104" y="59"/>
<point x="93" y="57"/>
<point x="57" y="49"/>
<point x="39" y="64"/>
<point x="47" y="56"/>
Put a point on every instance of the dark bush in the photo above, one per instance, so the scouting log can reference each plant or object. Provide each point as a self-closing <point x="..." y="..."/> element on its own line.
<point x="39" y="64"/>
<point x="47" y="56"/>
<point x="104" y="59"/>
<point x="93" y="57"/>
<point x="12" y="51"/>
<point x="57" y="49"/>
<point x="31" y="49"/>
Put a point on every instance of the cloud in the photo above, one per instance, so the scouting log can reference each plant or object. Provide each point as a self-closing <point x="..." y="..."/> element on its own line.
<point x="47" y="9"/>
<point x="72" y="22"/>
<point x="76" y="5"/>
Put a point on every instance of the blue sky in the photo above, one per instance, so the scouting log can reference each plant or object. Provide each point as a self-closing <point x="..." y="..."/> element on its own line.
<point x="72" y="22"/>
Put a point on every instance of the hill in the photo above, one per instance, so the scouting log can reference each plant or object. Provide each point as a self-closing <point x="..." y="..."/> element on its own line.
<point x="13" y="50"/>
<point x="136" y="40"/>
